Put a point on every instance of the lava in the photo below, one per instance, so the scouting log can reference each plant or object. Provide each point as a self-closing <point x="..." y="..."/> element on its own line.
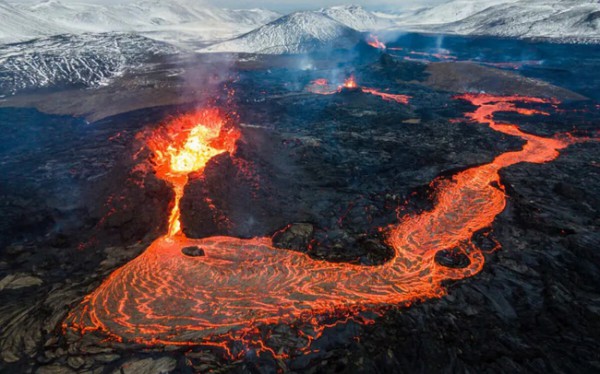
<point x="401" y="99"/>
<point x="185" y="145"/>
<point x="426" y="57"/>
<point x="166" y="297"/>
<point x="322" y="87"/>
<point x="350" y="83"/>
<point x="374" y="42"/>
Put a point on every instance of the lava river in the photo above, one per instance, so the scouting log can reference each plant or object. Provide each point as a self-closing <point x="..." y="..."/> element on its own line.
<point x="166" y="297"/>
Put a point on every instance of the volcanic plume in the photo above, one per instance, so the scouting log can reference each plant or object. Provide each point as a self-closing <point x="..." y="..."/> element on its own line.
<point x="234" y="285"/>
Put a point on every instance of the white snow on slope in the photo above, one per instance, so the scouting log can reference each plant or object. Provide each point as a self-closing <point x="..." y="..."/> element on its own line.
<point x="15" y="23"/>
<point x="144" y="16"/>
<point x="448" y="12"/>
<point x="295" y="33"/>
<point x="87" y="60"/>
<point x="357" y="18"/>
<point x="567" y="20"/>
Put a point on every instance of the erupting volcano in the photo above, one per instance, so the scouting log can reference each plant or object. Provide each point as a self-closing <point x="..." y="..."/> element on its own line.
<point x="185" y="145"/>
<point x="350" y="83"/>
<point x="374" y="42"/>
<point x="167" y="297"/>
<point x="322" y="87"/>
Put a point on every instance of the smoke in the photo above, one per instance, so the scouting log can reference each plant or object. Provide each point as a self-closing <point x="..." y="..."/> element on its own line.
<point x="306" y="63"/>
<point x="387" y="36"/>
<point x="439" y="42"/>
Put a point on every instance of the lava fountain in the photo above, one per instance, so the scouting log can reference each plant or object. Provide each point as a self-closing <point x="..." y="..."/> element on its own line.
<point x="185" y="145"/>
<point x="374" y="42"/>
<point x="350" y="83"/>
<point x="166" y="297"/>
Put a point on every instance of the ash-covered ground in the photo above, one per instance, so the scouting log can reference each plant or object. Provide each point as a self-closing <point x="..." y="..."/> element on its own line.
<point x="319" y="173"/>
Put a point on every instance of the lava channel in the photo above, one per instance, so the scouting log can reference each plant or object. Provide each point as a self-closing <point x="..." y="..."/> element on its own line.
<point x="166" y="297"/>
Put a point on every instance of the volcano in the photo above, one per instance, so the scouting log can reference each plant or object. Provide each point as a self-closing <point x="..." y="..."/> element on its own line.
<point x="391" y="203"/>
<point x="237" y="285"/>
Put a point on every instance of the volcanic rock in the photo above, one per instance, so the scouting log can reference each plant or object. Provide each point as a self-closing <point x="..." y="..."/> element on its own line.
<point x="470" y="77"/>
<point x="54" y="369"/>
<point x="148" y="366"/>
<point x="376" y="251"/>
<point x="193" y="251"/>
<point x="296" y="236"/>
<point x="75" y="362"/>
<point x="569" y="191"/>
<point x="452" y="258"/>
<point x="16" y="281"/>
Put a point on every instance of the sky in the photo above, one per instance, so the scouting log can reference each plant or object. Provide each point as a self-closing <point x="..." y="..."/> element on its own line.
<point x="284" y="6"/>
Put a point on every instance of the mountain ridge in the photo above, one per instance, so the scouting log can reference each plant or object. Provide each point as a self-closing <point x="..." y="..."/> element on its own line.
<point x="297" y="32"/>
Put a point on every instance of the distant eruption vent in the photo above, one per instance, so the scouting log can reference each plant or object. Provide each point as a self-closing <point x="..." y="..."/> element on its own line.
<point x="374" y="42"/>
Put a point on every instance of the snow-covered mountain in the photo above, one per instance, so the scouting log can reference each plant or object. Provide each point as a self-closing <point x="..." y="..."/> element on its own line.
<point x="15" y="23"/>
<point x="357" y="18"/>
<point x="568" y="20"/>
<point x="52" y="17"/>
<point x="86" y="60"/>
<point x="447" y="12"/>
<point x="300" y="32"/>
<point x="295" y="33"/>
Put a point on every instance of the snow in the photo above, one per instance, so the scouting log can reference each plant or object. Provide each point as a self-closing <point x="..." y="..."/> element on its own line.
<point x="357" y="18"/>
<point x="192" y="19"/>
<point x="448" y="12"/>
<point x="192" y="24"/>
<point x="14" y="24"/>
<point x="87" y="60"/>
<point x="295" y="33"/>
<point x="563" y="20"/>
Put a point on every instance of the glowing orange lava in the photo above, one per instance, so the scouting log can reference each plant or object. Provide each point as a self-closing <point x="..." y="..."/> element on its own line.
<point x="401" y="99"/>
<point x="374" y="42"/>
<point x="322" y="87"/>
<point x="185" y="145"/>
<point x="165" y="297"/>
<point x="350" y="82"/>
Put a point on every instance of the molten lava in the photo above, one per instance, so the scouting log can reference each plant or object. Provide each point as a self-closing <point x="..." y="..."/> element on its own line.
<point x="400" y="99"/>
<point x="350" y="83"/>
<point x="185" y="145"/>
<point x="166" y="297"/>
<point x="374" y="42"/>
<point x="322" y="87"/>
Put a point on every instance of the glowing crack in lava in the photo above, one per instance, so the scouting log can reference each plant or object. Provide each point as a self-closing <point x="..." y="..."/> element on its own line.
<point x="166" y="297"/>
<point x="322" y="87"/>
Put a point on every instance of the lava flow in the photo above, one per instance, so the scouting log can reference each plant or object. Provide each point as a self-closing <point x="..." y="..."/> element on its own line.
<point x="374" y="42"/>
<point x="166" y="297"/>
<point x="322" y="87"/>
